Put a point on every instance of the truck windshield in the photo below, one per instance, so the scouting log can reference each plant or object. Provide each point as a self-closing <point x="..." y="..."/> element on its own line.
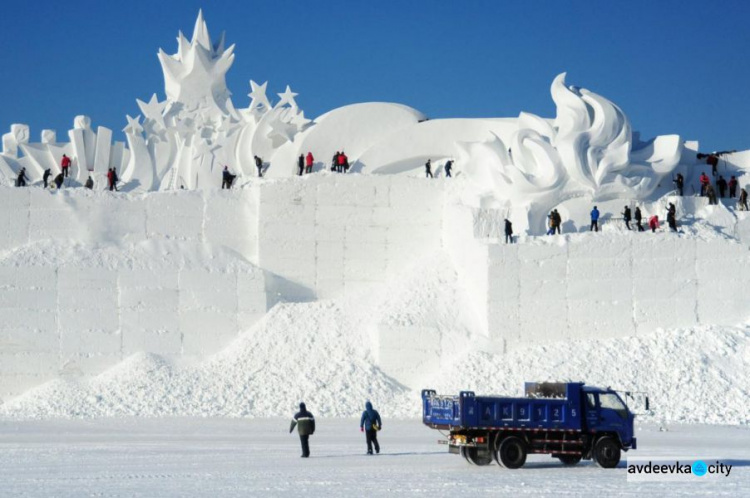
<point x="613" y="402"/>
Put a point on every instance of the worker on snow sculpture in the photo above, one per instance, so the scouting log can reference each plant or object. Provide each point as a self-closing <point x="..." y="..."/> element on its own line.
<point x="112" y="179"/>
<point x="679" y="181"/>
<point x="448" y="167"/>
<point x="672" y="217"/>
<point x="259" y="165"/>
<point x="65" y="164"/>
<point x="705" y="182"/>
<point x="309" y="162"/>
<point x="558" y="221"/>
<point x="638" y="219"/>
<point x="428" y="168"/>
<point x="89" y="183"/>
<point x="46" y="175"/>
<point x="370" y="424"/>
<point x="627" y="216"/>
<point x="21" y="179"/>
<point x="653" y="223"/>
<point x="732" y="187"/>
<point x="300" y="164"/>
<point x="743" y="200"/>
<point x="595" y="219"/>
<point x="721" y="184"/>
<point x="335" y="161"/>
<point x="59" y="181"/>
<point x="305" y="422"/>
<point x="342" y="162"/>
<point x="508" y="231"/>
<point x="227" y="178"/>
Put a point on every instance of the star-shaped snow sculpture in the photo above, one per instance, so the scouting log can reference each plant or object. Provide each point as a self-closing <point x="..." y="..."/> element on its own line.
<point x="300" y="120"/>
<point x="153" y="109"/>
<point x="287" y="98"/>
<point x="134" y="125"/>
<point x="258" y="95"/>
<point x="282" y="129"/>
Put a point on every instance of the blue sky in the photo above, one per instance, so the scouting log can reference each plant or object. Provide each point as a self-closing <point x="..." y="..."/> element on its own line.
<point x="672" y="66"/>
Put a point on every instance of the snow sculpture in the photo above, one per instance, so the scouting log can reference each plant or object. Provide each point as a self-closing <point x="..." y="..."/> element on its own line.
<point x="186" y="140"/>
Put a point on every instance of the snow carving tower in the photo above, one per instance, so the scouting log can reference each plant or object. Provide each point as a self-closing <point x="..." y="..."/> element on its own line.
<point x="185" y="141"/>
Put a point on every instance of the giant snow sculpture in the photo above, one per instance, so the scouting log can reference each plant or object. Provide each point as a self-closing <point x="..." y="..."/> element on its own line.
<point x="588" y="150"/>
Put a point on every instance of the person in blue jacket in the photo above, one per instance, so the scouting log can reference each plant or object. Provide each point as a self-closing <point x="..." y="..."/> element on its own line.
<point x="595" y="219"/>
<point x="370" y="424"/>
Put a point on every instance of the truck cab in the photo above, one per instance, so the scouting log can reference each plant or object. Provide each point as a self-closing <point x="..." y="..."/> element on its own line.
<point x="607" y="413"/>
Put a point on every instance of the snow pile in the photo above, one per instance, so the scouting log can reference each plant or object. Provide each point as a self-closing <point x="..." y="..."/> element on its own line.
<point x="322" y="353"/>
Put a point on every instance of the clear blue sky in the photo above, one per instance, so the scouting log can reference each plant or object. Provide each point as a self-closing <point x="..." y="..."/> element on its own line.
<point x="672" y="66"/>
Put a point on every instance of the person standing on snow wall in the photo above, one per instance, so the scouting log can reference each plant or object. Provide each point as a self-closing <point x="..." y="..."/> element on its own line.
<point x="65" y="164"/>
<point x="301" y="164"/>
<point x="305" y="423"/>
<point x="595" y="219"/>
<point x="259" y="165"/>
<point x="638" y="219"/>
<point x="428" y="168"/>
<point x="626" y="216"/>
<point x="309" y="163"/>
<point x="448" y="168"/>
<point x="370" y="424"/>
<point x="508" y="231"/>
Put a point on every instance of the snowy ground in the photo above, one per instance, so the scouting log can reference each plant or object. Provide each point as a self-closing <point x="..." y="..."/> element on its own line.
<point x="257" y="457"/>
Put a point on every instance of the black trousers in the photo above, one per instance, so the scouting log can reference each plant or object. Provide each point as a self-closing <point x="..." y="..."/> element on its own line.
<point x="508" y="238"/>
<point x="304" y="441"/>
<point x="627" y="224"/>
<point x="260" y="171"/>
<point x="640" y="227"/>
<point x="372" y="440"/>
<point x="594" y="225"/>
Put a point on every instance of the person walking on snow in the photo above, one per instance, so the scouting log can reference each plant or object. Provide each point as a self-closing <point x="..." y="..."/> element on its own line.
<point x="46" y="175"/>
<point x="672" y="217"/>
<point x="227" y="178"/>
<point x="508" y="231"/>
<point x="743" y="200"/>
<point x="638" y="219"/>
<point x="732" y="187"/>
<point x="309" y="162"/>
<point x="558" y="221"/>
<point x="300" y="164"/>
<point x="370" y="424"/>
<point x="626" y="216"/>
<point x="448" y="168"/>
<point x="305" y="422"/>
<point x="428" y="168"/>
<point x="65" y="164"/>
<point x="21" y="179"/>
<point x="595" y="219"/>
<point x="705" y="182"/>
<point x="259" y="166"/>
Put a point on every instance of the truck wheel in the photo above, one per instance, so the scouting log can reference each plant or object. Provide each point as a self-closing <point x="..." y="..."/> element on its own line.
<point x="511" y="453"/>
<point x="606" y="453"/>
<point x="475" y="457"/>
<point x="465" y="453"/>
<point x="569" y="459"/>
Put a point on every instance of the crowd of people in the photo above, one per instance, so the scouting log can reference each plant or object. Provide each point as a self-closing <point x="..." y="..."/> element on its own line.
<point x="370" y="424"/>
<point x="59" y="180"/>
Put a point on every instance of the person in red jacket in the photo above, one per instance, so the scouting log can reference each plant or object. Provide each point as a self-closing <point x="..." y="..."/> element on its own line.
<point x="342" y="166"/>
<point x="705" y="182"/>
<point x="653" y="223"/>
<point x="309" y="162"/>
<point x="65" y="164"/>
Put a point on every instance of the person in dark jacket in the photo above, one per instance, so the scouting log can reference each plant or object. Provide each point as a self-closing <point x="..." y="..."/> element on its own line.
<point x="743" y="200"/>
<point x="679" y="181"/>
<point x="335" y="162"/>
<point x="558" y="221"/>
<point x="259" y="165"/>
<point x="508" y="231"/>
<point x="711" y="194"/>
<point x="627" y="216"/>
<point x="227" y="178"/>
<point x="300" y="164"/>
<point x="21" y="179"/>
<point x="305" y="422"/>
<point x="638" y="219"/>
<point x="721" y="184"/>
<point x="45" y="176"/>
<point x="732" y="187"/>
<point x="595" y="219"/>
<point x="59" y="181"/>
<point x="370" y="424"/>
<point x="672" y="217"/>
<point x="428" y="168"/>
<point x="89" y="183"/>
<point x="448" y="168"/>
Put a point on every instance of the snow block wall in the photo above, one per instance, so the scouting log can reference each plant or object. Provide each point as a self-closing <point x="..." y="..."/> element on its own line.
<point x="613" y="287"/>
<point x="329" y="235"/>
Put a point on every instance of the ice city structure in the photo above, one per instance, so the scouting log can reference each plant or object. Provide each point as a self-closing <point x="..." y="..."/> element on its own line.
<point x="175" y="267"/>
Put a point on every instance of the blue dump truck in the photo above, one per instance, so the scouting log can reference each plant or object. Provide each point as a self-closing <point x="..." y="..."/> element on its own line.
<point x="570" y="421"/>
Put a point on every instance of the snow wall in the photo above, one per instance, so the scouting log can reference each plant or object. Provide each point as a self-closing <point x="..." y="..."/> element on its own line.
<point x="89" y="278"/>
